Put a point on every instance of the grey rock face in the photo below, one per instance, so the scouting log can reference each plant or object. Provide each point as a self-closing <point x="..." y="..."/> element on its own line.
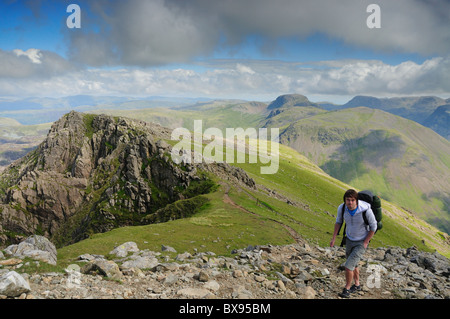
<point x="94" y="173"/>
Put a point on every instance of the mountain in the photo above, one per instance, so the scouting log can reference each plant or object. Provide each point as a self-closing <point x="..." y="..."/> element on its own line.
<point x="418" y="109"/>
<point x="16" y="140"/>
<point x="413" y="108"/>
<point x="95" y="173"/>
<point x="39" y="110"/>
<point x="368" y="101"/>
<point x="99" y="174"/>
<point x="439" y="121"/>
<point x="291" y="100"/>
<point x="370" y="148"/>
<point x="218" y="113"/>
<point x="289" y="108"/>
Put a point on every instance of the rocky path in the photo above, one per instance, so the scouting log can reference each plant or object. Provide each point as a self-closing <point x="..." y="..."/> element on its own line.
<point x="296" y="271"/>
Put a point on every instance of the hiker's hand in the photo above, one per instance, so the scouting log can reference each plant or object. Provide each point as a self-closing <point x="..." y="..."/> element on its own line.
<point x="332" y="242"/>
<point x="365" y="244"/>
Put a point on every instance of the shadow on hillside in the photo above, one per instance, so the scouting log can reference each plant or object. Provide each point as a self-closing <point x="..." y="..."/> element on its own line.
<point x="356" y="156"/>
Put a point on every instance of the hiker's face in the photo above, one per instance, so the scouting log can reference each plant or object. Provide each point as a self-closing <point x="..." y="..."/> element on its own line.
<point x="351" y="203"/>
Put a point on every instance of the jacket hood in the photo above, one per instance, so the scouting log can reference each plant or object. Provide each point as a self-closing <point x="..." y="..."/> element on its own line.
<point x="363" y="205"/>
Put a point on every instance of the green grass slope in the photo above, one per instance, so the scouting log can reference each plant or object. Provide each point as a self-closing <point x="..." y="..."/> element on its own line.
<point x="235" y="217"/>
<point x="219" y="114"/>
<point x="401" y="160"/>
<point x="299" y="200"/>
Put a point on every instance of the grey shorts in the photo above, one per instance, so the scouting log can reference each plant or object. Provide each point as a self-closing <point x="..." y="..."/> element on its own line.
<point x="354" y="251"/>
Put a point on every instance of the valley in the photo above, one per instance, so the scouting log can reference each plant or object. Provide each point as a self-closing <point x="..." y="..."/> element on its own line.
<point x="364" y="146"/>
<point x="246" y="207"/>
<point x="357" y="147"/>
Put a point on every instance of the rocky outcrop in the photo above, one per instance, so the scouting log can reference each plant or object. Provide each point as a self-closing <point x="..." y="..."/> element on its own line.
<point x="35" y="247"/>
<point x="94" y="173"/>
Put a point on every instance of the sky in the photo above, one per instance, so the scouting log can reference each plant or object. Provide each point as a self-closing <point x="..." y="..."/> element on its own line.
<point x="327" y="50"/>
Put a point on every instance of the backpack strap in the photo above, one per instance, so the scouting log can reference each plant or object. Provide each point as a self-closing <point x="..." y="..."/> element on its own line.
<point x="344" y="238"/>
<point x="366" y="221"/>
<point x="343" y="222"/>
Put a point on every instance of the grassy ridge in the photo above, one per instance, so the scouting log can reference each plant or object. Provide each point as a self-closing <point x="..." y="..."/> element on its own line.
<point x="323" y="194"/>
<point x="221" y="226"/>
<point x="401" y="160"/>
<point x="218" y="227"/>
<point x="212" y="115"/>
<point x="408" y="165"/>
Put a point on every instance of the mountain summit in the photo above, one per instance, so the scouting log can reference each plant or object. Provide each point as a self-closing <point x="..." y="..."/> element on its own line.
<point x="417" y="108"/>
<point x="288" y="108"/>
<point x="290" y="100"/>
<point x="94" y="173"/>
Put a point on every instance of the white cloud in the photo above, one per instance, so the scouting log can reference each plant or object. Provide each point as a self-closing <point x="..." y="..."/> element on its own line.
<point x="119" y="44"/>
<point x="32" y="63"/>
<point x="378" y="78"/>
<point x="244" y="69"/>
<point x="142" y="33"/>
<point x="34" y="55"/>
<point x="157" y="32"/>
<point x="259" y="80"/>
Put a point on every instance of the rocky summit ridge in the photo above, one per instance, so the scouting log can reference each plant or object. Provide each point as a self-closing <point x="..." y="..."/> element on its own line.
<point x="93" y="173"/>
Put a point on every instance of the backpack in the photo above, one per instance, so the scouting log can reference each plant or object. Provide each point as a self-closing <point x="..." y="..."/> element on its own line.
<point x="375" y="204"/>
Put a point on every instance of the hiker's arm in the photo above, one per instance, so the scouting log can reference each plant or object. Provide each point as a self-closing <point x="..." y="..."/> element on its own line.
<point x="368" y="238"/>
<point x="337" y="226"/>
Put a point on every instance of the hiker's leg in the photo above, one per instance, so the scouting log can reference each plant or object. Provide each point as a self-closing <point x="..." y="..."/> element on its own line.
<point x="356" y="276"/>
<point x="354" y="253"/>
<point x="348" y="278"/>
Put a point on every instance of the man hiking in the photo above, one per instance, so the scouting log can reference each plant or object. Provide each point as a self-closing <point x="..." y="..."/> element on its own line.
<point x="358" y="236"/>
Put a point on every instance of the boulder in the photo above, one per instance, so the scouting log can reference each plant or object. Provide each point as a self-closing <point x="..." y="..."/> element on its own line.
<point x="35" y="247"/>
<point x="124" y="249"/>
<point x="141" y="262"/>
<point x="193" y="292"/>
<point x="306" y="292"/>
<point x="103" y="267"/>
<point x="168" y="248"/>
<point x="10" y="262"/>
<point x="12" y="284"/>
<point x="212" y="285"/>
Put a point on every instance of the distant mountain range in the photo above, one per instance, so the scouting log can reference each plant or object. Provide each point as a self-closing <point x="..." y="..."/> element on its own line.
<point x="393" y="156"/>
<point x="381" y="144"/>
<point x="47" y="110"/>
<point x="94" y="174"/>
<point x="439" y="121"/>
<point x="423" y="109"/>
<point x="429" y="111"/>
